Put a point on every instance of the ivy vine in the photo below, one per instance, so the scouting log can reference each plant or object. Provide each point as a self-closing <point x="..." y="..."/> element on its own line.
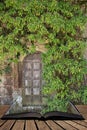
<point x="58" y="24"/>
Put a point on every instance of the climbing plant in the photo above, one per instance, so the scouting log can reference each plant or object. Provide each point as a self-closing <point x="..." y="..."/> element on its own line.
<point x="58" y="25"/>
<point x="64" y="65"/>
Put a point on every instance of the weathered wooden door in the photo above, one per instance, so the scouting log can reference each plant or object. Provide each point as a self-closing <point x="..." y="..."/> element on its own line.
<point x="32" y="80"/>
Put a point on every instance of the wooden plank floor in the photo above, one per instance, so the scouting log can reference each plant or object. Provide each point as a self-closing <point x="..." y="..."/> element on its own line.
<point x="44" y="125"/>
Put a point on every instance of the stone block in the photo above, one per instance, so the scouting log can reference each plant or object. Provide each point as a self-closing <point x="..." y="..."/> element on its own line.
<point x="3" y="91"/>
<point x="8" y="80"/>
<point x="7" y="100"/>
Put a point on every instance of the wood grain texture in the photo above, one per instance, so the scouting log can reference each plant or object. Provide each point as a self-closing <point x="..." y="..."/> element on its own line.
<point x="8" y="125"/>
<point x="42" y="125"/>
<point x="2" y="122"/>
<point x="76" y="125"/>
<point x="3" y="109"/>
<point x="82" y="123"/>
<point x="19" y="125"/>
<point x="65" y="125"/>
<point x="30" y="125"/>
<point x="53" y="125"/>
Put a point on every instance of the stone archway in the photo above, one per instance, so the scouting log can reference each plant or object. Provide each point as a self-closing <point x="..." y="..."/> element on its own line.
<point x="32" y="80"/>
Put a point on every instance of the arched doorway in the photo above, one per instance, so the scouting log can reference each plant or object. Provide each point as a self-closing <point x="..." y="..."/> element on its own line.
<point x="32" y="80"/>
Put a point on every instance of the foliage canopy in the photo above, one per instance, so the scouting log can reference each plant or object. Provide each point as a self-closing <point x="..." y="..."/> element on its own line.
<point x="58" y="24"/>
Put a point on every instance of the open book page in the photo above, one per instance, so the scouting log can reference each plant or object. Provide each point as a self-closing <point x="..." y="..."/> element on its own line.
<point x="62" y="116"/>
<point x="17" y="111"/>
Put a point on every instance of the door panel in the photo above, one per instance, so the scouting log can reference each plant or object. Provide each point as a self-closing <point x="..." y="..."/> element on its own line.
<point x="32" y="80"/>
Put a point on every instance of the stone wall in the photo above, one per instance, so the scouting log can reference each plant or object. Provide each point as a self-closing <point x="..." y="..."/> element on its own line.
<point x="9" y="86"/>
<point x="6" y="88"/>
